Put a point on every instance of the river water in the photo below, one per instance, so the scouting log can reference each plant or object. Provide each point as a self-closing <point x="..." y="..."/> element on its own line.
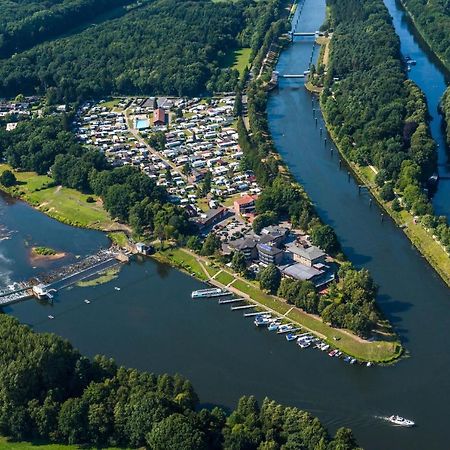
<point x="430" y="75"/>
<point x="151" y="323"/>
<point x="21" y="228"/>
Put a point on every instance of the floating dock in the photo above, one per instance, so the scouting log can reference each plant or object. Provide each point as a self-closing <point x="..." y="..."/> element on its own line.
<point x="231" y="300"/>
<point x="234" y="308"/>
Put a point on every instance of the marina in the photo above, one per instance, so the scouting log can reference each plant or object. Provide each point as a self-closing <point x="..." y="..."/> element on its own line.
<point x="156" y="294"/>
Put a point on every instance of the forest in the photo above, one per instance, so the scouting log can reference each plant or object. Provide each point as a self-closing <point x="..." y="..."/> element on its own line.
<point x="433" y="19"/>
<point x="181" y="53"/>
<point x="25" y="24"/>
<point x="379" y="117"/>
<point x="51" y="392"/>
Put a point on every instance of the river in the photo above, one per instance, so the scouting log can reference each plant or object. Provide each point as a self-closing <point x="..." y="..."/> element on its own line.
<point x="430" y="75"/>
<point x="151" y="323"/>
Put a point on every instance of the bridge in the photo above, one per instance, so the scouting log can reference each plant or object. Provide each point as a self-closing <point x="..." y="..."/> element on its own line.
<point x="276" y="75"/>
<point x="45" y="286"/>
<point x="316" y="34"/>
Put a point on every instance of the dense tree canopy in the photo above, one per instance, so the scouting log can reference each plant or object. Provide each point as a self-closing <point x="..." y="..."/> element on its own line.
<point x="379" y="117"/>
<point x="164" y="46"/>
<point x="51" y="392"/>
<point x="433" y="19"/>
<point x="26" y="23"/>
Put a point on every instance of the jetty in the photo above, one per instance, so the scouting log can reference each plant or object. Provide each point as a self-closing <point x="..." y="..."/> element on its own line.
<point x="231" y="300"/>
<point x="235" y="308"/>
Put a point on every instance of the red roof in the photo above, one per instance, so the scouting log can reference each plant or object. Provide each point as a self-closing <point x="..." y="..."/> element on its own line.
<point x="245" y="199"/>
<point x="159" y="115"/>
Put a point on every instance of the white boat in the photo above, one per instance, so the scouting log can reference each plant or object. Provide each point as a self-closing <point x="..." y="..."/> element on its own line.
<point x="400" y="421"/>
<point x="87" y="301"/>
<point x="51" y="317"/>
<point x="261" y="321"/>
<point x="205" y="293"/>
<point x="117" y="288"/>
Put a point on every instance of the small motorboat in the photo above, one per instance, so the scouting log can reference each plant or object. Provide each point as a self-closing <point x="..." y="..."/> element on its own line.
<point x="87" y="301"/>
<point x="332" y="353"/>
<point x="352" y="361"/>
<point x="400" y="421"/>
<point x="51" y="317"/>
<point x="347" y="359"/>
<point x="284" y="328"/>
<point x="117" y="288"/>
<point x="304" y="343"/>
<point x="291" y="337"/>
<point x="261" y="321"/>
<point x="273" y="326"/>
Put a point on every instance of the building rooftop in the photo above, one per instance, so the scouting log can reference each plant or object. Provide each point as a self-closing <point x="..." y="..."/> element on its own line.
<point x="269" y="249"/>
<point x="300" y="271"/>
<point x="245" y="199"/>
<point x="243" y="243"/>
<point x="312" y="252"/>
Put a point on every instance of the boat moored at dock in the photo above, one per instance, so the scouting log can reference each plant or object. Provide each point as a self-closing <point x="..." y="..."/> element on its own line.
<point x="211" y="292"/>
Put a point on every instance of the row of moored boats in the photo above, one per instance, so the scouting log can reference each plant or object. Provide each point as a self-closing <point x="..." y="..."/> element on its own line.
<point x="304" y="340"/>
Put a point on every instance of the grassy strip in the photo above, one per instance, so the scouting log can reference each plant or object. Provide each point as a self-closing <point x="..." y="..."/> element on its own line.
<point x="6" y="444"/>
<point x="66" y="205"/>
<point x="417" y="234"/>
<point x="378" y="351"/>
<point x="102" y="278"/>
<point x="182" y="260"/>
<point x="211" y="269"/>
<point x="224" y="278"/>
<point x="119" y="238"/>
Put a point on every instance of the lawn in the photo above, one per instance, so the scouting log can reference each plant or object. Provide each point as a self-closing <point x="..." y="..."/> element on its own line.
<point x="224" y="278"/>
<point x="110" y="104"/>
<point x="237" y="59"/>
<point x="6" y="444"/>
<point x="119" y="238"/>
<point x="64" y="204"/>
<point x="381" y="351"/>
<point x="418" y="235"/>
<point x="211" y="269"/>
<point x="428" y="246"/>
<point x="182" y="260"/>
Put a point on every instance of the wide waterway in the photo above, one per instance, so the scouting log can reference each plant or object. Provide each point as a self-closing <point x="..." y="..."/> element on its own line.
<point x="151" y="323"/>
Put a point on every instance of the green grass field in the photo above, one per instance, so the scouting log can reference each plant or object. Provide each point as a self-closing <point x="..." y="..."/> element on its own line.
<point x="224" y="278"/>
<point x="237" y="59"/>
<point x="379" y="351"/>
<point x="64" y="204"/>
<point x="6" y="444"/>
<point x="182" y="260"/>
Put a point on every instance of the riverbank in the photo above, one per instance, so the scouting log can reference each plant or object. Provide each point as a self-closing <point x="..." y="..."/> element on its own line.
<point x="432" y="250"/>
<point x="63" y="204"/>
<point x="425" y="38"/>
<point x="380" y="351"/>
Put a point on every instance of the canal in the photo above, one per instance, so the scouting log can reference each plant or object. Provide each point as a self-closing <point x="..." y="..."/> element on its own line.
<point x="430" y="75"/>
<point x="152" y="324"/>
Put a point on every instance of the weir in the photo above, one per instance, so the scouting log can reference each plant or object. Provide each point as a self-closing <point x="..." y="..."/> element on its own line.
<point x="46" y="285"/>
